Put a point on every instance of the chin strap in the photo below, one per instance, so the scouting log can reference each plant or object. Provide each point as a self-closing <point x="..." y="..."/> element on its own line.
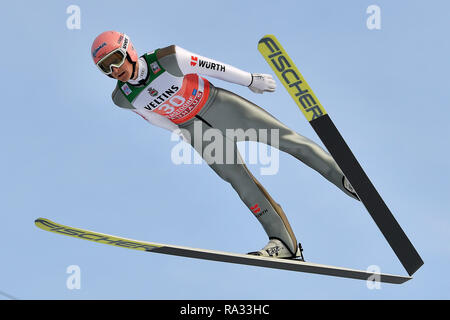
<point x="134" y="66"/>
<point x="134" y="70"/>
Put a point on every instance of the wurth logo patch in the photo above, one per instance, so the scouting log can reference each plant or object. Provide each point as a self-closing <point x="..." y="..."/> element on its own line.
<point x="255" y="209"/>
<point x="194" y="61"/>
<point x="206" y="64"/>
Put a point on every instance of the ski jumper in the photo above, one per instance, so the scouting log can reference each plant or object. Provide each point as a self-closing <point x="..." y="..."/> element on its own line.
<point x="169" y="92"/>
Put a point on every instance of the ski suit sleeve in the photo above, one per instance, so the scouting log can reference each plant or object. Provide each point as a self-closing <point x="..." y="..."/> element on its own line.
<point x="189" y="62"/>
<point x="151" y="117"/>
<point x="160" y="121"/>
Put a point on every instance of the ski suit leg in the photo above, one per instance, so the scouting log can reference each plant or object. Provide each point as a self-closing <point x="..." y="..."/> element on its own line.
<point x="232" y="111"/>
<point x="251" y="192"/>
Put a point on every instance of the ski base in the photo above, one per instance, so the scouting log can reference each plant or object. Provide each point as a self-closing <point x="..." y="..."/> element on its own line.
<point x="213" y="255"/>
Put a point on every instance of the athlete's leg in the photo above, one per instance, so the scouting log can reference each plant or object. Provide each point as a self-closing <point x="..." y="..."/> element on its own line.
<point x="232" y="111"/>
<point x="233" y="170"/>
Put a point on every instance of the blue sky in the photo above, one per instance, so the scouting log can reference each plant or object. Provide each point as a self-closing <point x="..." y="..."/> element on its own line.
<point x="70" y="155"/>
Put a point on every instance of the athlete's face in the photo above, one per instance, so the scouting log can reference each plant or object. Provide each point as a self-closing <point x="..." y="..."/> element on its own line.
<point x="124" y="73"/>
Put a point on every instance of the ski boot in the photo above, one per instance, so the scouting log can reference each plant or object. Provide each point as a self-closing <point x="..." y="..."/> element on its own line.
<point x="277" y="249"/>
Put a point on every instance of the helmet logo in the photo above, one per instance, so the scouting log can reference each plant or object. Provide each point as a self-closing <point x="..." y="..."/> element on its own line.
<point x="125" y="43"/>
<point x="94" y="53"/>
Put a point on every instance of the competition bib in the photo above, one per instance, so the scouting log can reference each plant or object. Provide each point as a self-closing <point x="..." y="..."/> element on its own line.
<point x="176" y="98"/>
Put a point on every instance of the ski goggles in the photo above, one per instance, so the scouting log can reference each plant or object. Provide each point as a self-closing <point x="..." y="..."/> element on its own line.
<point x="115" y="58"/>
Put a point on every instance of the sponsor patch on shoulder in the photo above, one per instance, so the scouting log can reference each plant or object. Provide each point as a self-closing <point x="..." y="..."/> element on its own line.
<point x="126" y="89"/>
<point x="155" y="67"/>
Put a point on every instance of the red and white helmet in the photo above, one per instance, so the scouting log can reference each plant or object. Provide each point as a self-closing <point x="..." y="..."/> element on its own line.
<point x="112" y="47"/>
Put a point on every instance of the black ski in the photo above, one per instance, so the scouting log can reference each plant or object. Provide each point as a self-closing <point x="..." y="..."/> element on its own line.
<point x="214" y="255"/>
<point x="310" y="106"/>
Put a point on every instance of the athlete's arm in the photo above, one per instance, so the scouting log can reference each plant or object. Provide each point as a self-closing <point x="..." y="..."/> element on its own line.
<point x="189" y="62"/>
<point x="156" y="119"/>
<point x="152" y="117"/>
<point x="160" y="121"/>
